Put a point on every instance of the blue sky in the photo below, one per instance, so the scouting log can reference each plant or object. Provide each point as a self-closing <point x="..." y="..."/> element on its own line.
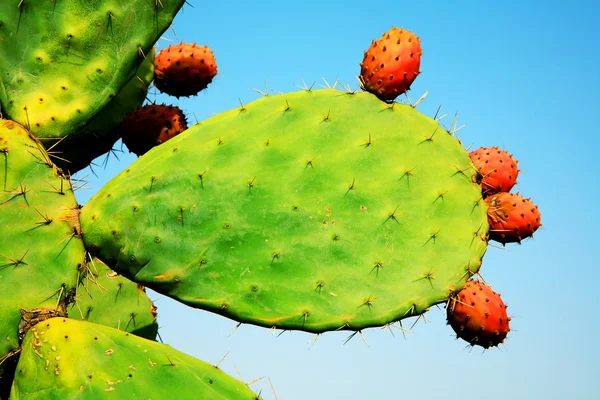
<point x="521" y="76"/>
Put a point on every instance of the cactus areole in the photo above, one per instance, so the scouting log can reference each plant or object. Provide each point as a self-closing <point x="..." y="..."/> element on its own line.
<point x="314" y="210"/>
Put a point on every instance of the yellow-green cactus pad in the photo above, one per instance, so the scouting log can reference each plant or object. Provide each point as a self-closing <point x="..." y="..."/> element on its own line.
<point x="40" y="246"/>
<point x="67" y="359"/>
<point x="62" y="61"/>
<point x="99" y="135"/>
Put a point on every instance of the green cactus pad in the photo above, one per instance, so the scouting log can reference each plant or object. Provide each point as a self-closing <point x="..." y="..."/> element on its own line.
<point x="40" y="246"/>
<point x="116" y="365"/>
<point x="314" y="210"/>
<point x="63" y="61"/>
<point x="107" y="298"/>
<point x="98" y="136"/>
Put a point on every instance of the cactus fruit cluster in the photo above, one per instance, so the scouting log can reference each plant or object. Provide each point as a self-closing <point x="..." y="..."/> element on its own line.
<point x="315" y="210"/>
<point x="511" y="217"/>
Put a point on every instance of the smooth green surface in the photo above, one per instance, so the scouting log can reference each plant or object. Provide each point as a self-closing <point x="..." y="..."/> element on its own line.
<point x="115" y="365"/>
<point x="107" y="298"/>
<point x="314" y="210"/>
<point x="62" y="61"/>
<point x="40" y="249"/>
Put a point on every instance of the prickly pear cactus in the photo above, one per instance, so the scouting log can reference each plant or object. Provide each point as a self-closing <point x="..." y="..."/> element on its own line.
<point x="44" y="274"/>
<point x="116" y="365"/>
<point x="311" y="210"/>
<point x="63" y="61"/>
<point x="40" y="248"/>
<point x="43" y="268"/>
<point x="107" y="298"/>
<point x="100" y="133"/>
<point x="316" y="210"/>
<point x="68" y="76"/>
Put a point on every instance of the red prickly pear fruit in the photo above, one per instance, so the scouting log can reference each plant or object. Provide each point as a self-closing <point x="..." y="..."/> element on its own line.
<point x="511" y="217"/>
<point x="478" y="315"/>
<point x="151" y="125"/>
<point x="391" y="64"/>
<point x="497" y="168"/>
<point x="184" y="69"/>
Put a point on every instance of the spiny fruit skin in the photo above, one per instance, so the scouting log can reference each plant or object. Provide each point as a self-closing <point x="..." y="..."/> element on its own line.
<point x="478" y="315"/>
<point x="391" y="64"/>
<point x="151" y="125"/>
<point x="498" y="169"/>
<point x="511" y="217"/>
<point x="184" y="69"/>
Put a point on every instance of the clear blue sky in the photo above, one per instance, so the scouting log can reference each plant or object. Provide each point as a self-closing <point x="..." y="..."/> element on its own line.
<point x="521" y="75"/>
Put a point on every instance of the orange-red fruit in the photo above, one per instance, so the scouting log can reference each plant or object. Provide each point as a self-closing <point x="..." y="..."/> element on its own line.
<point x="184" y="69"/>
<point x="151" y="125"/>
<point x="497" y="168"/>
<point x="391" y="64"/>
<point x="511" y="217"/>
<point x="478" y="315"/>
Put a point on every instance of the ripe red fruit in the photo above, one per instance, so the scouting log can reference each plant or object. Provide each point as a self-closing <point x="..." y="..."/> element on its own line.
<point x="184" y="69"/>
<point x="151" y="125"/>
<point x="391" y="64"/>
<point x="497" y="168"/>
<point x="511" y="217"/>
<point x="478" y="315"/>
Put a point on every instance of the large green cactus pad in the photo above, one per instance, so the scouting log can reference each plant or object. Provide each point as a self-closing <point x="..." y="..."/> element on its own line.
<point x="107" y="298"/>
<point x="315" y="211"/>
<point x="62" y="61"/>
<point x="115" y="365"/>
<point x="40" y="247"/>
